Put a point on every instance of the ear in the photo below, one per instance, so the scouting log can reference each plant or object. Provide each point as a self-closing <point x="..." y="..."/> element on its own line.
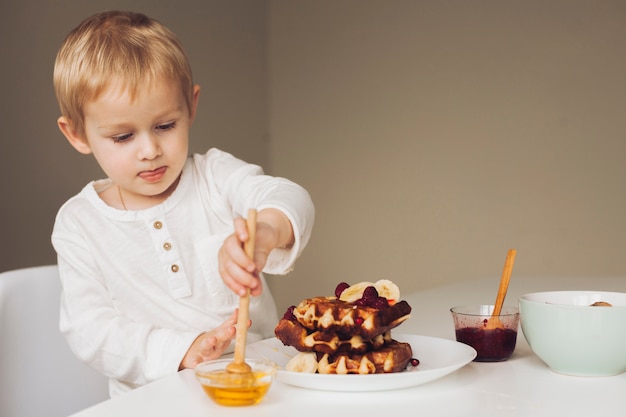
<point x="79" y="142"/>
<point x="194" y="103"/>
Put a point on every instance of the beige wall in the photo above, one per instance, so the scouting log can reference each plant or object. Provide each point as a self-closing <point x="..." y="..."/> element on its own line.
<point x="432" y="135"/>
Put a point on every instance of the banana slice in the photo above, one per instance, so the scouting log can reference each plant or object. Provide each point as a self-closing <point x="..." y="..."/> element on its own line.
<point x="385" y="288"/>
<point x="303" y="362"/>
<point x="388" y="289"/>
<point x="354" y="292"/>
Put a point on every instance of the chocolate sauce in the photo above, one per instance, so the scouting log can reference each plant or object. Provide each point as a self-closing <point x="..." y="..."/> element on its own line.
<point x="492" y="345"/>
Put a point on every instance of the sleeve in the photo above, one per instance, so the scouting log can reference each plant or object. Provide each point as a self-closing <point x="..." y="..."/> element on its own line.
<point x="116" y="346"/>
<point x="242" y="186"/>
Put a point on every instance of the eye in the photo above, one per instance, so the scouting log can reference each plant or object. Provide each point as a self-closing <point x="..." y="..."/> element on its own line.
<point x="122" y="138"/>
<point x="167" y="126"/>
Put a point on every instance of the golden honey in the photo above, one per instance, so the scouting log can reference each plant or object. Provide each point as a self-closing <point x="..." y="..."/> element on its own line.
<point x="241" y="390"/>
<point x="232" y="389"/>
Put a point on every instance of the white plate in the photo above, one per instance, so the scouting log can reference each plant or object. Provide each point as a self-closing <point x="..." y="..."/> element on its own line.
<point x="438" y="357"/>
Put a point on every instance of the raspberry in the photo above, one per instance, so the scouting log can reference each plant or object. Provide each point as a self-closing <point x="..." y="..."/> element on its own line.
<point x="379" y="303"/>
<point x="414" y="362"/>
<point x="340" y="288"/>
<point x="289" y="314"/>
<point x="370" y="298"/>
<point x="358" y="321"/>
<point x="369" y="294"/>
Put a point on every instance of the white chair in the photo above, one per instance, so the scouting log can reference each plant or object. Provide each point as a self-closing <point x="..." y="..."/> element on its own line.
<point x="39" y="375"/>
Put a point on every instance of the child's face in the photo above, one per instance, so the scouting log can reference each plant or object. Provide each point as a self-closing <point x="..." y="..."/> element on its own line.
<point x="141" y="144"/>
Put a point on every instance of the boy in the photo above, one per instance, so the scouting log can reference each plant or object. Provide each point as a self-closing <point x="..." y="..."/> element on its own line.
<point x="151" y="258"/>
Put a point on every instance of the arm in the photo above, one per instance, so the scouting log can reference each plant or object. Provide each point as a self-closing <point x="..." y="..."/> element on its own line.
<point x="113" y="344"/>
<point x="118" y="311"/>
<point x="284" y="222"/>
<point x="274" y="231"/>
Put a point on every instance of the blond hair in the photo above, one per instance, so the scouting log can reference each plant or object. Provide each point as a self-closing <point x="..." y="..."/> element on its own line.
<point x="127" y="48"/>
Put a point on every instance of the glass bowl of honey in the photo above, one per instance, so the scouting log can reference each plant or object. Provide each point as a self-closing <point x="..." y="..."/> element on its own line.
<point x="236" y="389"/>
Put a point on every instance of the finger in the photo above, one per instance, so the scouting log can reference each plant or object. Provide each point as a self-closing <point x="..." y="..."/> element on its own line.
<point x="260" y="259"/>
<point x="208" y="344"/>
<point x="231" y="283"/>
<point x="241" y="276"/>
<point x="241" y="229"/>
<point x="239" y="281"/>
<point x="257" y="290"/>
<point x="224" y="341"/>
<point x="236" y="278"/>
<point x="225" y="332"/>
<point x="233" y="251"/>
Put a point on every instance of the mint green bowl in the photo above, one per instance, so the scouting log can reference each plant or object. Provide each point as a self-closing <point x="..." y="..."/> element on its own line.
<point x="571" y="336"/>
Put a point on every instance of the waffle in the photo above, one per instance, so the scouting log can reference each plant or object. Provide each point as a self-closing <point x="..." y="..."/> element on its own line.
<point x="292" y="333"/>
<point x="347" y="335"/>
<point x="394" y="356"/>
<point x="328" y="314"/>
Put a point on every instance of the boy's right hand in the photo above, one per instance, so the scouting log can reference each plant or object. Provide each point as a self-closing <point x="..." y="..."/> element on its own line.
<point x="238" y="271"/>
<point x="210" y="345"/>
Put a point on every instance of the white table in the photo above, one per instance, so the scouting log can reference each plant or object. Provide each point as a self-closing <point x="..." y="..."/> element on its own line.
<point x="521" y="386"/>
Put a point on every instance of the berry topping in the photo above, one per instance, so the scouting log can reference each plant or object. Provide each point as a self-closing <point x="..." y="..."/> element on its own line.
<point x="370" y="293"/>
<point x="414" y="362"/>
<point x="340" y="288"/>
<point x="289" y="314"/>
<point x="370" y="298"/>
<point x="379" y="303"/>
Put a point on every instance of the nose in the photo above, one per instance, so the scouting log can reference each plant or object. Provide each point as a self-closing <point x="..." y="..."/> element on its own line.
<point x="149" y="147"/>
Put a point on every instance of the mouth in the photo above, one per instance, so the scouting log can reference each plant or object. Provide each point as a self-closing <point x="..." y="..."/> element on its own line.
<point x="153" y="176"/>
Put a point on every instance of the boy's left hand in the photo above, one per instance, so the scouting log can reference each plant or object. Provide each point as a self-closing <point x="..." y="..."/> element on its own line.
<point x="211" y="344"/>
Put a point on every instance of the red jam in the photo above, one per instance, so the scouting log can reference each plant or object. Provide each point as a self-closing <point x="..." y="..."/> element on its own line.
<point x="492" y="345"/>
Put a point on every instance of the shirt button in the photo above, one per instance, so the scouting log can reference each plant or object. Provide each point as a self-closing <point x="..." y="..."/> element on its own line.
<point x="175" y="268"/>
<point x="157" y="224"/>
<point x="167" y="246"/>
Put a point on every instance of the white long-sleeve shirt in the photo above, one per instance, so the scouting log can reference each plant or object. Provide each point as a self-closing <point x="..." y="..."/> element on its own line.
<point x="140" y="286"/>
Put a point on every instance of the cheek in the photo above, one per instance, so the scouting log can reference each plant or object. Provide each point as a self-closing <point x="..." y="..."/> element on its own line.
<point x="114" y="164"/>
<point x="178" y="148"/>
